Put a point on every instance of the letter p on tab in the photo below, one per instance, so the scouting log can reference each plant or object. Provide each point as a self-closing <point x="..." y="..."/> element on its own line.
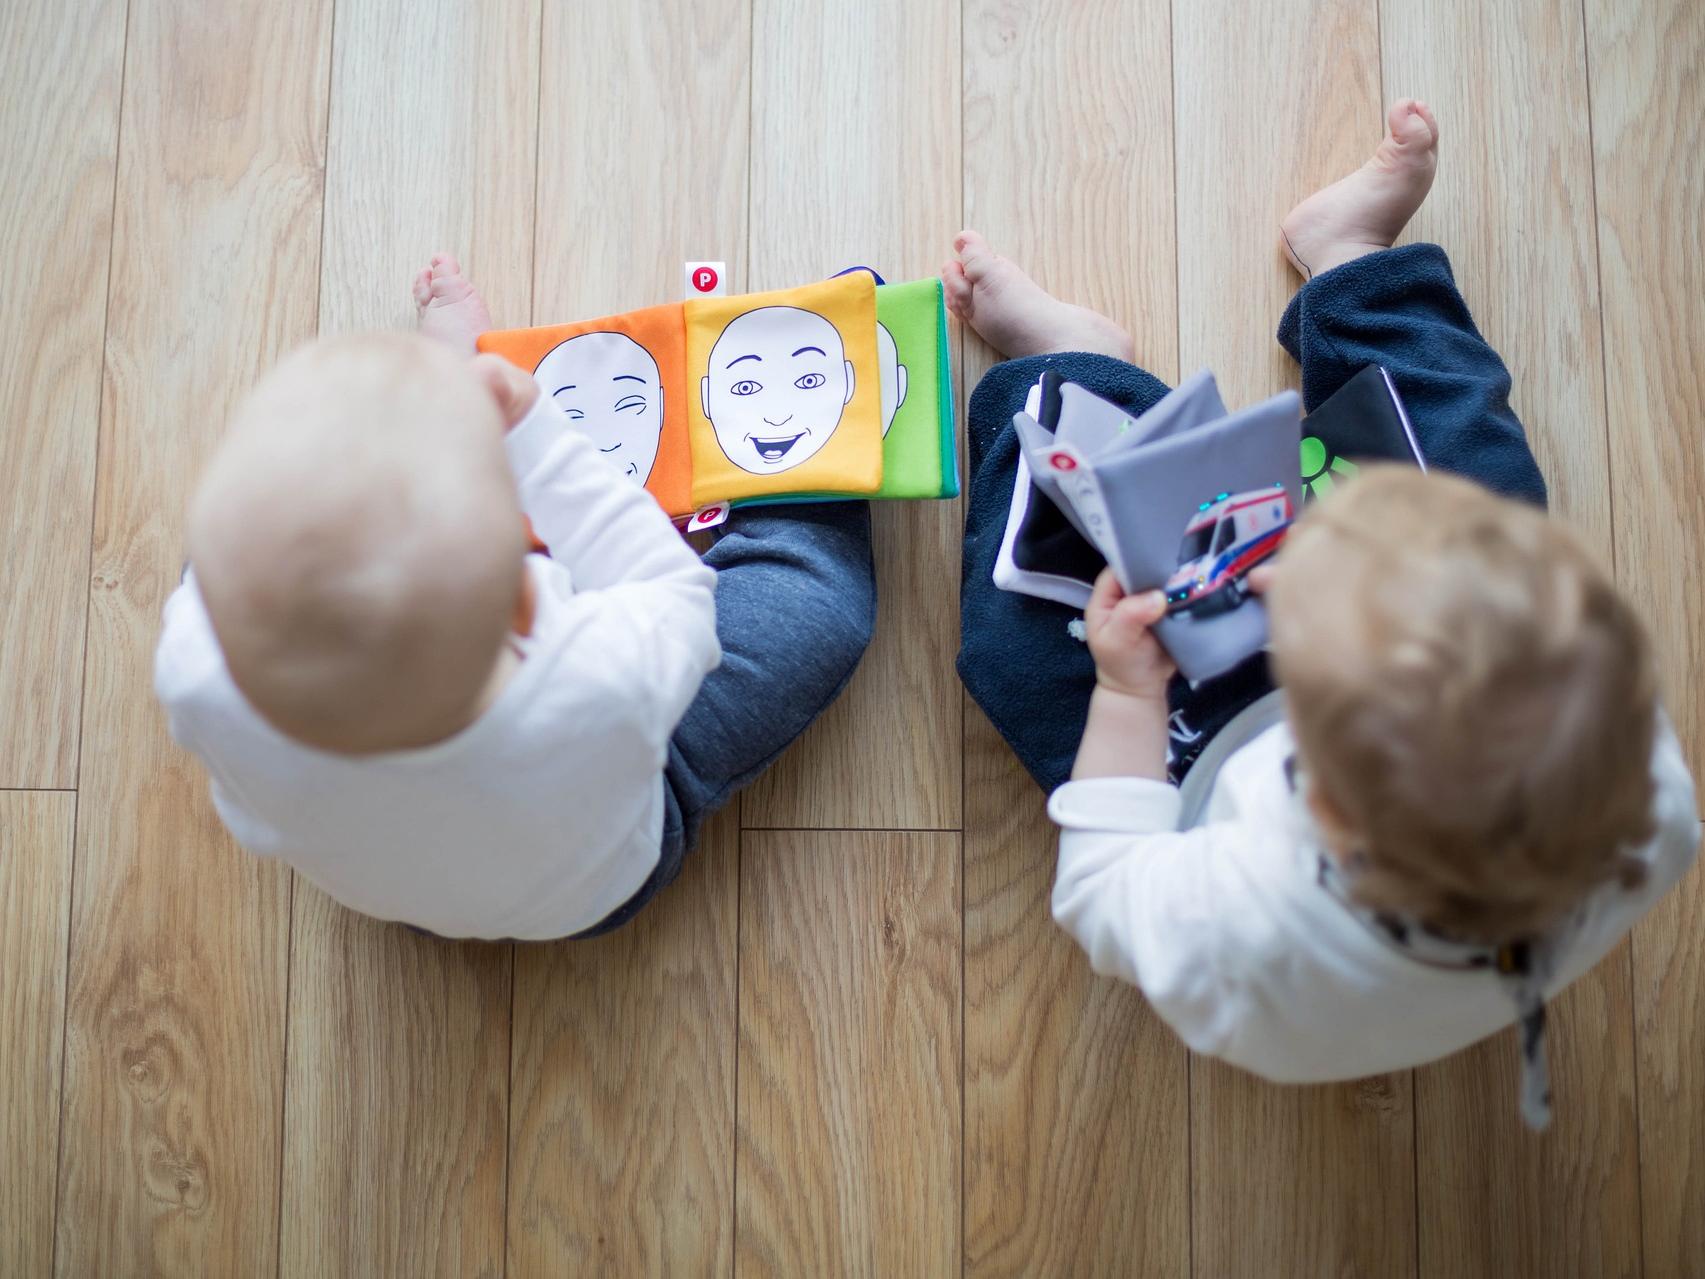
<point x="707" y="279"/>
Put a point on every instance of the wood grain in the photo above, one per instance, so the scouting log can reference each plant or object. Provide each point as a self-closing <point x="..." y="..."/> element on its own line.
<point x="175" y="1020"/>
<point x="432" y="144"/>
<point x="643" y="115"/>
<point x="1076" y="1118"/>
<point x="1510" y="208"/>
<point x="396" y="1099"/>
<point x="35" y="915"/>
<point x="59" y="63"/>
<point x="850" y="1054"/>
<point x="855" y="152"/>
<point x="397" y="1083"/>
<point x="1272" y="103"/>
<point x="1648" y="117"/>
<point x="1077" y="1149"/>
<point x="622" y="1117"/>
<point x="1497" y="1200"/>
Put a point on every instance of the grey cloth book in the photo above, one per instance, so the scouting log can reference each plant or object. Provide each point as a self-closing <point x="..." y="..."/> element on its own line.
<point x="1186" y="498"/>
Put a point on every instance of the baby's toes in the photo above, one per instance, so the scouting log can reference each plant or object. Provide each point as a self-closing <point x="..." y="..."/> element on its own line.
<point x="956" y="288"/>
<point x="423" y="286"/>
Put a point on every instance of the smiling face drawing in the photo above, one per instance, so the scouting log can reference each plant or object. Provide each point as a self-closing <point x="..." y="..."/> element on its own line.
<point x="777" y="382"/>
<point x="608" y="386"/>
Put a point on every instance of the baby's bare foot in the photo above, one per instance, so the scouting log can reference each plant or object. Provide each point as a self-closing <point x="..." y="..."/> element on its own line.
<point x="451" y="309"/>
<point x="1013" y="314"/>
<point x="1366" y="211"/>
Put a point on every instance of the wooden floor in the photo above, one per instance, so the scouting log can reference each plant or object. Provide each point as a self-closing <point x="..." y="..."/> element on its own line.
<point x="850" y="1040"/>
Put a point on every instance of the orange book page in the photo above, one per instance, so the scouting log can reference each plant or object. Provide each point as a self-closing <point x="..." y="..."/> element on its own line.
<point x="620" y="380"/>
<point x="783" y="391"/>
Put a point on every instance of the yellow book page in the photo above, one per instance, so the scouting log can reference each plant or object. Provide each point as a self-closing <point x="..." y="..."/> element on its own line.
<point x="783" y="392"/>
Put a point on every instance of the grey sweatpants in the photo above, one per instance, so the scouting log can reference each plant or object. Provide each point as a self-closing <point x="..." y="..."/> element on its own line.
<point x="795" y="609"/>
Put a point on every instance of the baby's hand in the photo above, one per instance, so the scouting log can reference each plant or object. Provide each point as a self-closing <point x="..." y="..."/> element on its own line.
<point x="1128" y="658"/>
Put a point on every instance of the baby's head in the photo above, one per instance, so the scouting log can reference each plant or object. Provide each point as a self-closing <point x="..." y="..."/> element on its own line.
<point x="1473" y="703"/>
<point x="359" y="543"/>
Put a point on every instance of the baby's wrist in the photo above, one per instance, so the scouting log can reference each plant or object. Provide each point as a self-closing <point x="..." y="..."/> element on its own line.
<point x="1140" y="690"/>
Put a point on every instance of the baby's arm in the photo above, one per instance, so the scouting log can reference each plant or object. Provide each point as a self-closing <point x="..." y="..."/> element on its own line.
<point x="1150" y="905"/>
<point x="596" y="522"/>
<point x="1134" y="893"/>
<point x="655" y="599"/>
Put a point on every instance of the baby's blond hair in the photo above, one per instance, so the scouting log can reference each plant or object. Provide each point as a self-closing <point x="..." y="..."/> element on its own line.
<point x="358" y="542"/>
<point x="1472" y="701"/>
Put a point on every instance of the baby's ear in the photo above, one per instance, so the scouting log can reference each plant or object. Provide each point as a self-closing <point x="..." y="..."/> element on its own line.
<point x="704" y="395"/>
<point x="514" y="392"/>
<point x="852" y="382"/>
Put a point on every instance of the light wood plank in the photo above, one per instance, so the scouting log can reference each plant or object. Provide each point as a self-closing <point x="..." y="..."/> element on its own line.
<point x="60" y="70"/>
<point x="855" y="156"/>
<point x="850" y="1054"/>
<point x="1271" y="103"/>
<point x="1648" y="118"/>
<point x="1497" y="1200"/>
<point x="395" y="1127"/>
<point x="396" y="1099"/>
<point x="35" y="915"/>
<point x="434" y="117"/>
<point x="622" y="1157"/>
<point x="1510" y="206"/>
<point x="622" y="1109"/>
<point x="1077" y="1148"/>
<point x="642" y="152"/>
<point x="175" y="1022"/>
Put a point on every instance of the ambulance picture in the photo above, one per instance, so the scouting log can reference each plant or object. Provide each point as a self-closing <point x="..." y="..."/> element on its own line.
<point x="1225" y="538"/>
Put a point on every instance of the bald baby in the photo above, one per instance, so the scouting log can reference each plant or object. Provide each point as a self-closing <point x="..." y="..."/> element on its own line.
<point x="359" y="543"/>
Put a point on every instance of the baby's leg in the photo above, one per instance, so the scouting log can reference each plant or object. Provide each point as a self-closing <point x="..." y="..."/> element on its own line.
<point x="795" y="609"/>
<point x="1366" y="303"/>
<point x="449" y="307"/>
<point x="1018" y="657"/>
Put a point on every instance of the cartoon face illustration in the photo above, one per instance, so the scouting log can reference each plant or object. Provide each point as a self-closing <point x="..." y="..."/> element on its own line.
<point x="777" y="382"/>
<point x="893" y="375"/>
<point x="608" y="385"/>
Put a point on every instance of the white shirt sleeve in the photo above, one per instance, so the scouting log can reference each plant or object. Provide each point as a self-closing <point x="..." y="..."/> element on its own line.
<point x="655" y="599"/>
<point x="1152" y="905"/>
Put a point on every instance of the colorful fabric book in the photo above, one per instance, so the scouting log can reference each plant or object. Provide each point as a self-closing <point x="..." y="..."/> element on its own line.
<point x="831" y="390"/>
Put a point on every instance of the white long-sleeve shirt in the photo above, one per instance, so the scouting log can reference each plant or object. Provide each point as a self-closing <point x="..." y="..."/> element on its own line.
<point x="546" y="813"/>
<point x="1232" y="936"/>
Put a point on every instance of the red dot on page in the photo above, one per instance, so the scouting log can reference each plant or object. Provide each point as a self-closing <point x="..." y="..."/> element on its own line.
<point x="704" y="279"/>
<point x="1063" y="462"/>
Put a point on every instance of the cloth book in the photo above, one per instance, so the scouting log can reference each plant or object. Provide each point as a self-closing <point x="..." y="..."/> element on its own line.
<point x="836" y="389"/>
<point x="1365" y="420"/>
<point x="1362" y="421"/>
<point x="1186" y="498"/>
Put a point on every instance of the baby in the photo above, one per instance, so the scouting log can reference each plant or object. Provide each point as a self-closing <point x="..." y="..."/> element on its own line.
<point x="1465" y="793"/>
<point x="400" y="692"/>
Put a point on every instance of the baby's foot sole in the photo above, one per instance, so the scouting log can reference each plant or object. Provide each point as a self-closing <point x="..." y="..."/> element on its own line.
<point x="1015" y="315"/>
<point x="1366" y="211"/>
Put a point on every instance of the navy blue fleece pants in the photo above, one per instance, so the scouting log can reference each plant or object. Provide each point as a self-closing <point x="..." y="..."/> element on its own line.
<point x="1400" y="309"/>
